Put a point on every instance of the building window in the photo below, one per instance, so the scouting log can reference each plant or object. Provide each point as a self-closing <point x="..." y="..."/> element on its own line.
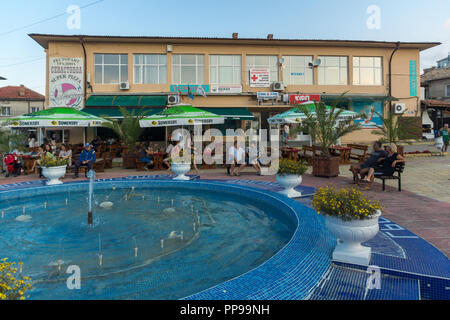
<point x="296" y="70"/>
<point x="225" y="69"/>
<point x="333" y="70"/>
<point x="6" y="111"/>
<point x="34" y="109"/>
<point x="267" y="62"/>
<point x="150" y="68"/>
<point x="447" y="90"/>
<point x="188" y="69"/>
<point x="367" y="71"/>
<point x="111" y="68"/>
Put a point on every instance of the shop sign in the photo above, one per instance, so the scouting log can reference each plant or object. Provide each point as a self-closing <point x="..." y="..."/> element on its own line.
<point x="183" y="88"/>
<point x="301" y="98"/>
<point x="260" y="78"/>
<point x="413" y="78"/>
<point x="267" y="95"/>
<point x="218" y="88"/>
<point x="66" y="82"/>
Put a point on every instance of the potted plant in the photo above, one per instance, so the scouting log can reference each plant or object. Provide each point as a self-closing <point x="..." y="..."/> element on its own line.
<point x="180" y="165"/>
<point x="289" y="175"/>
<point x="351" y="218"/>
<point x="326" y="126"/>
<point x="53" y="168"/>
<point x="128" y="130"/>
<point x="396" y="128"/>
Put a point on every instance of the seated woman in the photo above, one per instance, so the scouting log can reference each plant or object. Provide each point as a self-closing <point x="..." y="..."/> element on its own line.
<point x="145" y="156"/>
<point x="65" y="153"/>
<point x="388" y="163"/>
<point x="253" y="157"/>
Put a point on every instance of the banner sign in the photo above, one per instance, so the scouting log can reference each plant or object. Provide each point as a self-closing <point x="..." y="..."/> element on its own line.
<point x="260" y="78"/>
<point x="413" y="78"/>
<point x="370" y="109"/>
<point x="218" y="88"/>
<point x="267" y="95"/>
<point x="300" y="98"/>
<point x="66" y="83"/>
<point x="183" y="88"/>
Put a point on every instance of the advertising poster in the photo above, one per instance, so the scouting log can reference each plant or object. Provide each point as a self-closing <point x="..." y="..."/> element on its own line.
<point x="66" y="82"/>
<point x="371" y="109"/>
<point x="260" y="78"/>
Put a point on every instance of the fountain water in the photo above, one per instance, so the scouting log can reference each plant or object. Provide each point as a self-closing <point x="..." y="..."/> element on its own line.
<point x="91" y="176"/>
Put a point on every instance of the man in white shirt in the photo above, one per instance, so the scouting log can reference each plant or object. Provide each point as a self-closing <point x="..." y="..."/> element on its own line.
<point x="236" y="156"/>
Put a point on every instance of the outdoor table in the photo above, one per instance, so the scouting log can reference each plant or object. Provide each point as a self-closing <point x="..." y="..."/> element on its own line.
<point x="158" y="158"/>
<point x="291" y="152"/>
<point x="344" y="153"/>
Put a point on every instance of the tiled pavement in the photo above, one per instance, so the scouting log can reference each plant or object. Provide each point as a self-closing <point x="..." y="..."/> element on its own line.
<point x="423" y="206"/>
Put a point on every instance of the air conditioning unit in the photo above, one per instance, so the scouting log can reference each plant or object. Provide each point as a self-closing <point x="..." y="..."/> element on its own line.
<point x="173" y="99"/>
<point x="125" y="85"/>
<point x="399" y="108"/>
<point x="278" y="86"/>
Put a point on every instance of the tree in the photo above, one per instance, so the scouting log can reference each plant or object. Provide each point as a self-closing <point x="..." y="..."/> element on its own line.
<point x="128" y="129"/>
<point x="10" y="141"/>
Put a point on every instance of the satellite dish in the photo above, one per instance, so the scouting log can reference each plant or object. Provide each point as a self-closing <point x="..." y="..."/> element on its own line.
<point x="317" y="62"/>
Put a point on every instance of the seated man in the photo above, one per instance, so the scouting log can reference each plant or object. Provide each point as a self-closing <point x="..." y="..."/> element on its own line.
<point x="87" y="159"/>
<point x="145" y="156"/>
<point x="360" y="170"/>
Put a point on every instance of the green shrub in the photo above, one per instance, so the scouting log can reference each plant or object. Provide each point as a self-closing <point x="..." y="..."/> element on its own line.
<point x="286" y="167"/>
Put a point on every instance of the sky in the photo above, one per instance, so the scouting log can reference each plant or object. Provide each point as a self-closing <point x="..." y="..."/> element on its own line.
<point x="22" y="60"/>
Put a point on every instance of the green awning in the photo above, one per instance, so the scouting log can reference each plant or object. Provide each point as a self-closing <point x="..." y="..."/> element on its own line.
<point x="232" y="113"/>
<point x="126" y="101"/>
<point x="115" y="112"/>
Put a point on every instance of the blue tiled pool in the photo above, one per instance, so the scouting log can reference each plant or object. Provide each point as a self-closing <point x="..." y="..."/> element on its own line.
<point x="164" y="239"/>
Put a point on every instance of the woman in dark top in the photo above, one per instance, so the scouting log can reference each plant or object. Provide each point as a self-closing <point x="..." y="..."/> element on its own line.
<point x="389" y="163"/>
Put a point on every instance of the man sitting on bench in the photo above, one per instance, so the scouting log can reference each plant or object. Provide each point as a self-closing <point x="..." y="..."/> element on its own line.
<point x="362" y="169"/>
<point x="87" y="159"/>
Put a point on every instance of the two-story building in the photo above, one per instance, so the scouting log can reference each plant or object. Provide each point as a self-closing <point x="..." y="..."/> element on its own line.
<point x="245" y="80"/>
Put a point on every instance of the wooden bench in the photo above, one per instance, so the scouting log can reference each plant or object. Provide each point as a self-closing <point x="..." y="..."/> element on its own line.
<point x="399" y="168"/>
<point x="140" y="165"/>
<point x="358" y="152"/>
<point x="308" y="153"/>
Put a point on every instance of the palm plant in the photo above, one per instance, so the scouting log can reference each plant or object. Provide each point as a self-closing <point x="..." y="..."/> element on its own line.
<point x="326" y="126"/>
<point x="394" y="129"/>
<point x="10" y="141"/>
<point x="128" y="129"/>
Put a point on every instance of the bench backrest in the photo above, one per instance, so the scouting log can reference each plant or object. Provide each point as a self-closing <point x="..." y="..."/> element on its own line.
<point x="309" y="151"/>
<point x="400" y="167"/>
<point x="359" y="147"/>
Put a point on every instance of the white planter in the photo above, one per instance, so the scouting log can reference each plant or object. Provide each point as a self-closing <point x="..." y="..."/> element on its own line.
<point x="53" y="174"/>
<point x="351" y="234"/>
<point x="289" y="182"/>
<point x="180" y="169"/>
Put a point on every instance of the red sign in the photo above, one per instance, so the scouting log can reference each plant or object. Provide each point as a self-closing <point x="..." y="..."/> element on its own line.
<point x="300" y="98"/>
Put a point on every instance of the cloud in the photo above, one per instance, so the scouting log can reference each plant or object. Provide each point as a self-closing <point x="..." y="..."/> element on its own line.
<point x="429" y="57"/>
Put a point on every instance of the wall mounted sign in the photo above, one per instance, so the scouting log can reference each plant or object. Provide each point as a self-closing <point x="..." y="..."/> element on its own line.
<point x="370" y="109"/>
<point x="219" y="88"/>
<point x="267" y="95"/>
<point x="300" y="98"/>
<point x="260" y="78"/>
<point x="183" y="88"/>
<point x="66" y="83"/>
<point x="413" y="78"/>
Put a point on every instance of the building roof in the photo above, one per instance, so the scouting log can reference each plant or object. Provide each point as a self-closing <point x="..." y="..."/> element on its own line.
<point x="1" y="78"/>
<point x="14" y="93"/>
<point x="44" y="39"/>
<point x="435" y="74"/>
<point x="436" y="103"/>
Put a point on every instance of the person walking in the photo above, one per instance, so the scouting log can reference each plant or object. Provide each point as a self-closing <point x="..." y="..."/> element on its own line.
<point x="445" y="137"/>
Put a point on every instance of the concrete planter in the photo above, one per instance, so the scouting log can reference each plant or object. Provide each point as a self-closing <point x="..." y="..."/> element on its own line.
<point x="351" y="234"/>
<point x="180" y="169"/>
<point x="53" y="174"/>
<point x="289" y="182"/>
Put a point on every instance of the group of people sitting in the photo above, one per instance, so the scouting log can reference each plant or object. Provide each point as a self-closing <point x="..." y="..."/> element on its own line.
<point x="381" y="162"/>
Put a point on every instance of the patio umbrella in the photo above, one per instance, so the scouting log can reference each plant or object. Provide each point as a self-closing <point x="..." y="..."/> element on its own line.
<point x="181" y="115"/>
<point x="53" y="117"/>
<point x="296" y="116"/>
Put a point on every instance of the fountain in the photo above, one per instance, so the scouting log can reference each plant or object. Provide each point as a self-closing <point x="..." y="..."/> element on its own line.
<point x="91" y="176"/>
